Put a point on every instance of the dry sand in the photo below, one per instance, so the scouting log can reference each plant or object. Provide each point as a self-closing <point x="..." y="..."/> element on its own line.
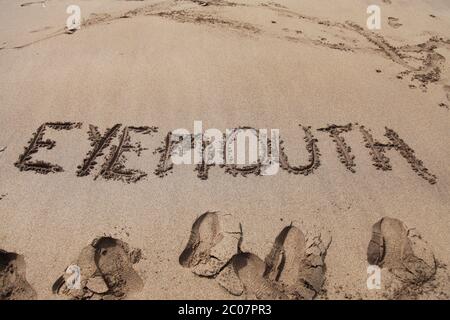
<point x="230" y="64"/>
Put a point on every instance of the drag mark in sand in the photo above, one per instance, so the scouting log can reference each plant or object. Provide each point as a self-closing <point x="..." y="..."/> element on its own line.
<point x="420" y="61"/>
<point x="55" y="34"/>
<point x="26" y="4"/>
<point x="425" y="68"/>
<point x="185" y="16"/>
<point x="384" y="46"/>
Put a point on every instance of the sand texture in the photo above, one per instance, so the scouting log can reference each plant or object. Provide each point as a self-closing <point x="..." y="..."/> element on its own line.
<point x="85" y="149"/>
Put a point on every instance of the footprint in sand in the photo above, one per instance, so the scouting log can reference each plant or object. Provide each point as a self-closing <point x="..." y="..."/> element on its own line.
<point x="41" y="29"/>
<point x="106" y="268"/>
<point x="298" y="263"/>
<point x="294" y="269"/>
<point x="13" y="283"/>
<point x="401" y="251"/>
<point x="212" y="243"/>
<point x="250" y="270"/>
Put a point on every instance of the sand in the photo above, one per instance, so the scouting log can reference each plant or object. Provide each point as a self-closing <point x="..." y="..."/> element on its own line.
<point x="140" y="69"/>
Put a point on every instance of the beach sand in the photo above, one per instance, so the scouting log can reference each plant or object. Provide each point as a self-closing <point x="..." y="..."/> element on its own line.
<point x="273" y="65"/>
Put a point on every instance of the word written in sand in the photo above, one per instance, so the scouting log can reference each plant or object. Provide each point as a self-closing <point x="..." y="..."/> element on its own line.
<point x="107" y="157"/>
